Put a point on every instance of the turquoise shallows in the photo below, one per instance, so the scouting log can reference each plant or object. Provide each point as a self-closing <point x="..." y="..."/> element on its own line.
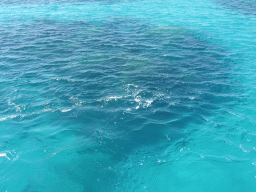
<point x="131" y="96"/>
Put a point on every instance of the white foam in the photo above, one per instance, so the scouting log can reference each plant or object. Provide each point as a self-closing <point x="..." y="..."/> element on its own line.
<point x="137" y="99"/>
<point x="148" y="102"/>
<point x="136" y="86"/>
<point x="4" y="155"/>
<point x="113" y="98"/>
<point x="77" y="102"/>
<point x="8" y="117"/>
<point x="110" y="98"/>
<point x="65" y="110"/>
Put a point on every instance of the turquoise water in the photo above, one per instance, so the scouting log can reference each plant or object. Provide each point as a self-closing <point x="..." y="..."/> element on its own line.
<point x="127" y="96"/>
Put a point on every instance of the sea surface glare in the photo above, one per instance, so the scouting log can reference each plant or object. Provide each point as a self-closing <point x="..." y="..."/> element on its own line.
<point x="127" y="96"/>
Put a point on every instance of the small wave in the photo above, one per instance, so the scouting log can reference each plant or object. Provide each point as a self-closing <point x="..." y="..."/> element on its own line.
<point x="4" y="155"/>
<point x="17" y="107"/>
<point x="148" y="102"/>
<point x="28" y="114"/>
<point x="134" y="98"/>
<point x="76" y="101"/>
<point x="110" y="98"/>
<point x="132" y="85"/>
<point x="65" y="110"/>
<point x="113" y="98"/>
<point x="142" y="102"/>
<point x="8" y="117"/>
<point x="191" y="98"/>
<point x="232" y="113"/>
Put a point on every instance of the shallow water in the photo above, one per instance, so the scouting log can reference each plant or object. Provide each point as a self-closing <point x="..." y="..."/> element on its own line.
<point x="127" y="96"/>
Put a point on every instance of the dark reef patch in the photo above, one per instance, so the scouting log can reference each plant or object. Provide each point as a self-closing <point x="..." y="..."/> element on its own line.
<point x="120" y="84"/>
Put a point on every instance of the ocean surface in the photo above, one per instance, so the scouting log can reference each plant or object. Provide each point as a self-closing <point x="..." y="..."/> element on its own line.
<point x="127" y="95"/>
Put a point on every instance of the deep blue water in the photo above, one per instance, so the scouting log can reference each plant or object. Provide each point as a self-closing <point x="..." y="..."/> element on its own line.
<point x="127" y="96"/>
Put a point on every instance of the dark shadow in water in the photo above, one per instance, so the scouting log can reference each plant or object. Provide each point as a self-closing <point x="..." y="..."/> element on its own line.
<point x="247" y="7"/>
<point x="124" y="84"/>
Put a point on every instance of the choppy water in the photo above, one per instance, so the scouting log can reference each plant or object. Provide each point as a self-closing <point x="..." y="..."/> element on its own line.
<point x="127" y="96"/>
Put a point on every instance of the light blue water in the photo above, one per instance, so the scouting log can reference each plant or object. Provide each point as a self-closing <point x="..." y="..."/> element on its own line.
<point x="154" y="96"/>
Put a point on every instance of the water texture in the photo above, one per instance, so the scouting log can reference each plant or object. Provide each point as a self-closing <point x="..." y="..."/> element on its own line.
<point x="127" y="96"/>
<point x="240" y="6"/>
